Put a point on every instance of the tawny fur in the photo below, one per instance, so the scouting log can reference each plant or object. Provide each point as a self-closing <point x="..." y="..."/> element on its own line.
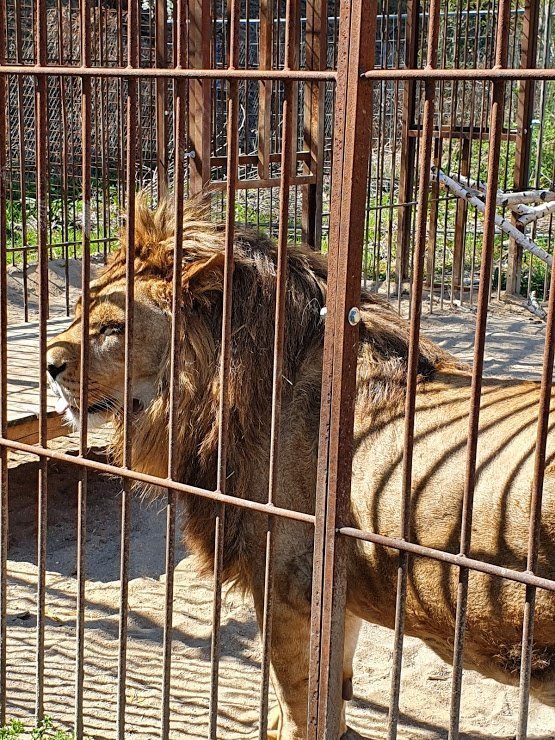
<point x="505" y="455"/>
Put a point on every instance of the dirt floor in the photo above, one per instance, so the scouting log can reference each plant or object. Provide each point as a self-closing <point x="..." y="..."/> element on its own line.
<point x="489" y="710"/>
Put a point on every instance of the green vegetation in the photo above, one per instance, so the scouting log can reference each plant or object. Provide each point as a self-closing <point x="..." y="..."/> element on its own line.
<point x="44" y="730"/>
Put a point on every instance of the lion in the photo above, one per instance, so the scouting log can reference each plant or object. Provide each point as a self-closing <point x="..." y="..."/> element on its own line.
<point x="505" y="462"/>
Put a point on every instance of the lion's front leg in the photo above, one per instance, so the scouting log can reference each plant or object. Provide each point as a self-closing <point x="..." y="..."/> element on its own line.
<point x="289" y="666"/>
<point x="290" y="662"/>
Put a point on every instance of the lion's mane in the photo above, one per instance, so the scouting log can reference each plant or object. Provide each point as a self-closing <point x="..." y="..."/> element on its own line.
<point x="382" y="364"/>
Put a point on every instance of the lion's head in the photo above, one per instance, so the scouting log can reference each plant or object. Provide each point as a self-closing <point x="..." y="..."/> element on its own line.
<point x="199" y="348"/>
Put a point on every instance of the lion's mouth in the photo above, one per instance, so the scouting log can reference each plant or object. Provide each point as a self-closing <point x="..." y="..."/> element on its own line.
<point x="99" y="407"/>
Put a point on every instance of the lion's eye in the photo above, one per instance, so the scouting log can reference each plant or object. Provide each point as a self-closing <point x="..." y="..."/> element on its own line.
<point x="107" y="329"/>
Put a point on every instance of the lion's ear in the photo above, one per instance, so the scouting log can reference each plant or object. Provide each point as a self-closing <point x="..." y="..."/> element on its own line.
<point x="204" y="275"/>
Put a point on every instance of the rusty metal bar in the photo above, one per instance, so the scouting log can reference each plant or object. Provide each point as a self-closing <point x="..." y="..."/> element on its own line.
<point x="161" y="97"/>
<point x="153" y="480"/>
<point x="288" y="148"/>
<point x="316" y="48"/>
<point x="225" y="363"/>
<point x="353" y="117"/>
<point x="200" y="92"/>
<point x="86" y="114"/>
<point x="180" y="112"/>
<point x="495" y="127"/>
<point x="408" y="145"/>
<point x="535" y="513"/>
<point x="3" y="380"/>
<point x="412" y="361"/>
<point x="133" y="20"/>
<point x="200" y="73"/>
<point x="265" y="89"/>
<point x="41" y="145"/>
<point x="485" y="73"/>
<point x="525" y="112"/>
<point x="22" y="168"/>
<point x="462" y="561"/>
<point x="272" y="182"/>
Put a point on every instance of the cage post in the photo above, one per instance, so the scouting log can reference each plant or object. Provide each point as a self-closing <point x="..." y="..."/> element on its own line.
<point x="525" y="111"/>
<point x="3" y="378"/>
<point x="408" y="145"/>
<point x="352" y="132"/>
<point x="200" y="93"/>
<point x="460" y="219"/>
<point x="162" y="144"/>
<point x="314" y="117"/>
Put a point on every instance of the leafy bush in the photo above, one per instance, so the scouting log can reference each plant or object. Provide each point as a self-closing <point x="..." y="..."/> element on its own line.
<point x="44" y="730"/>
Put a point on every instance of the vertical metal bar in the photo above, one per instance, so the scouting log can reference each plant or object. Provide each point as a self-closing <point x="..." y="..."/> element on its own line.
<point x="86" y="111"/>
<point x="352" y="128"/>
<point x="495" y="132"/>
<point x="525" y="111"/>
<point x="433" y="220"/>
<point x="41" y="108"/>
<point x="535" y="513"/>
<point x="22" y="157"/>
<point x="3" y="378"/>
<point x="265" y="89"/>
<point x="200" y="93"/>
<point x="288" y="149"/>
<point x="461" y="210"/>
<point x="179" y="195"/>
<point x="131" y="132"/>
<point x="232" y="136"/>
<point x="161" y="98"/>
<point x="412" y="362"/>
<point x="408" y="144"/>
<point x="316" y="48"/>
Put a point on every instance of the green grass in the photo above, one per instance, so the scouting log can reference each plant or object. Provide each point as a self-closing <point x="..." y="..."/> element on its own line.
<point x="44" y="730"/>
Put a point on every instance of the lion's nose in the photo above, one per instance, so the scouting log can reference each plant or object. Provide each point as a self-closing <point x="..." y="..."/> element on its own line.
<point x="55" y="370"/>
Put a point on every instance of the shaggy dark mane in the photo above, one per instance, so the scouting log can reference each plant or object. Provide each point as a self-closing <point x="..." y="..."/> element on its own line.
<point x="382" y="357"/>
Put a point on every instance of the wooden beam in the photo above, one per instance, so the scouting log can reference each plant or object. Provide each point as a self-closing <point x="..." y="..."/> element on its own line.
<point x="408" y="145"/>
<point x="316" y="51"/>
<point x="200" y="93"/>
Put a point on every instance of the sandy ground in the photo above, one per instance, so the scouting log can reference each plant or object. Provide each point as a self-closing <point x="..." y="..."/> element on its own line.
<point x="489" y="710"/>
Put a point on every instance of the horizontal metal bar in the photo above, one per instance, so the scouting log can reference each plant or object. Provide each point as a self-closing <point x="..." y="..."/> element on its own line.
<point x="450" y="558"/>
<point x="302" y="156"/>
<point x="489" y="73"/>
<point x="153" y="480"/>
<point x="171" y="73"/>
<point x="271" y="182"/>
<point x="54" y="245"/>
